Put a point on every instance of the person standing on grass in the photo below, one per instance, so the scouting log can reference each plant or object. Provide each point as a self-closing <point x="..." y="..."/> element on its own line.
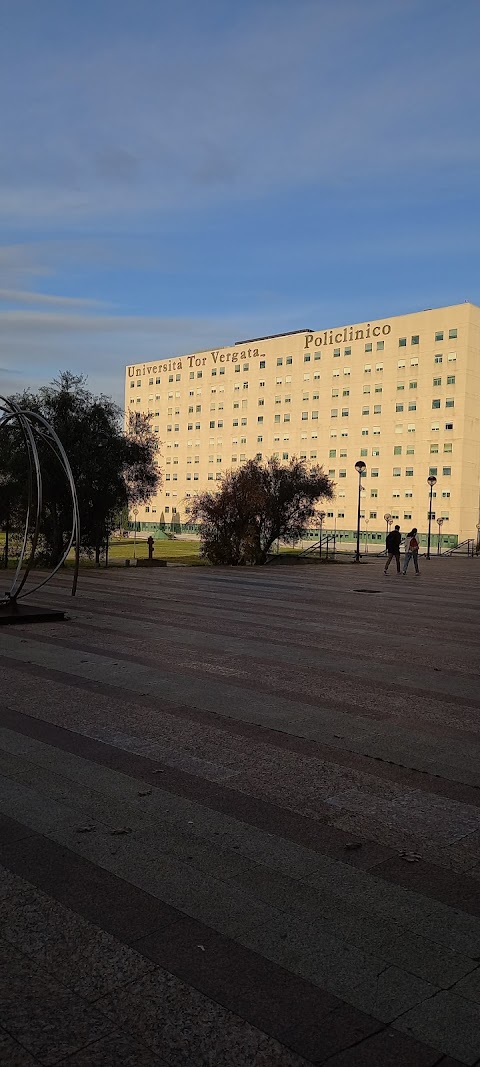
<point x="392" y="545"/>
<point x="411" y="551"/>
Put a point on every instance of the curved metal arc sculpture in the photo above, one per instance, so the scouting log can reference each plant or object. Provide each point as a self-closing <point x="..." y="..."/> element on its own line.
<point x="31" y="424"/>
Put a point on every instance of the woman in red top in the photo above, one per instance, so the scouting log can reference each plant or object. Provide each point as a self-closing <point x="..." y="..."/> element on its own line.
<point x="411" y="551"/>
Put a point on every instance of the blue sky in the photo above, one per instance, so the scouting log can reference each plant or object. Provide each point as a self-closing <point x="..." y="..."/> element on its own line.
<point x="176" y="176"/>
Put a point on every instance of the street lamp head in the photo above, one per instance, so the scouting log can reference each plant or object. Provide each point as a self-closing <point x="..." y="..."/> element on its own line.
<point x="440" y="521"/>
<point x="432" y="480"/>
<point x="388" y="517"/>
<point x="360" y="466"/>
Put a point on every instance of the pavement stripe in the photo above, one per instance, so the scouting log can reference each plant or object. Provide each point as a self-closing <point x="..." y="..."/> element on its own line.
<point x="423" y="877"/>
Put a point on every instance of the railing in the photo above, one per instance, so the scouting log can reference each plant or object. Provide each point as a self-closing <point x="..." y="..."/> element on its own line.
<point x="472" y="547"/>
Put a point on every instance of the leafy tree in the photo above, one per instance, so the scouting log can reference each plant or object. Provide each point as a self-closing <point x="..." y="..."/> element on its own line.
<point x="112" y="468"/>
<point x="256" y="505"/>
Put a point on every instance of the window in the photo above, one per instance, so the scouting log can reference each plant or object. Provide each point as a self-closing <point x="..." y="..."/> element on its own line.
<point x="400" y="387"/>
<point x="336" y="352"/>
<point x="342" y="474"/>
<point x="367" y="368"/>
<point x="290" y="360"/>
<point x="304" y="416"/>
<point x="373" y="514"/>
<point x="379" y="367"/>
<point x="402" y="342"/>
<point x="259" y="419"/>
<point x="448" y="447"/>
<point x="412" y="406"/>
<point x="366" y="389"/>
<point x="286" y="418"/>
<point x="375" y="451"/>
<point x="452" y="357"/>
<point x="452" y="334"/>
<point x="449" y="403"/>
<point x="262" y="364"/>
<point x="380" y="346"/>
<point x="277" y="418"/>
<point x="414" y="362"/>
<point x="401" y="364"/>
<point x="332" y="453"/>
<point x="435" y="403"/>
<point x="364" y="451"/>
<point x="396" y="472"/>
<point x="445" y="496"/>
<point x="438" y="358"/>
<point x="398" y="407"/>
<point x="346" y="392"/>
<point x="368" y="346"/>
<point x="333" y="413"/>
<point x="435" y="426"/>
<point x="279" y="362"/>
<point x="374" y="494"/>
<point x="374" y="472"/>
<point x="449" y="425"/>
<point x="343" y="453"/>
<point x="377" y="409"/>
<point x="379" y="388"/>
<point x="446" y="472"/>
<point x="347" y="351"/>
<point x="410" y="427"/>
<point x="451" y="379"/>
<point x="314" y="414"/>
<point x="397" y="450"/>
<point x="434" y="448"/>
<point x="433" y="471"/>
<point x="415" y="339"/>
<point x="364" y="432"/>
<point x="412" y="385"/>
<point x="439" y="335"/>
<point x="306" y="359"/>
<point x="346" y="371"/>
<point x="409" y="472"/>
<point x="437" y="381"/>
<point x="365" y="411"/>
<point x="344" y="412"/>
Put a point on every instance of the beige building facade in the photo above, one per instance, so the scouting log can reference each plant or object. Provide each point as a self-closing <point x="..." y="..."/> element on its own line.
<point x="402" y="393"/>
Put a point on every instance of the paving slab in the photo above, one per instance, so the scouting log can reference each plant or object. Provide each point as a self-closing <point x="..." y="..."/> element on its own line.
<point x="262" y="846"/>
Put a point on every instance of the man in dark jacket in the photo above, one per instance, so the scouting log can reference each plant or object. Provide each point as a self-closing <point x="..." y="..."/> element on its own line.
<point x="393" y="548"/>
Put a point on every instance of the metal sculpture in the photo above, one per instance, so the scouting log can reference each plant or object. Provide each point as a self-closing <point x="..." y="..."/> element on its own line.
<point x="33" y="427"/>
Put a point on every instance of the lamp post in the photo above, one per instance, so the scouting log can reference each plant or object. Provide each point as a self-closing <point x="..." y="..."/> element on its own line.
<point x="321" y="516"/>
<point x="439" y="547"/>
<point x="135" y="513"/>
<point x="431" y="481"/>
<point x="360" y="467"/>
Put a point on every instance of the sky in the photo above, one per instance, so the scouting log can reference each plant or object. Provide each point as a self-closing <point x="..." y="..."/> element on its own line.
<point x="175" y="177"/>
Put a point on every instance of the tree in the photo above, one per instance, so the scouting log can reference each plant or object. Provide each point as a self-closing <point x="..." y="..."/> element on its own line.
<point x="112" y="468"/>
<point x="256" y="505"/>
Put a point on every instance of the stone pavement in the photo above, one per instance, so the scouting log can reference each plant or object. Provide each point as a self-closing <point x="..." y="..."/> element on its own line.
<point x="240" y="820"/>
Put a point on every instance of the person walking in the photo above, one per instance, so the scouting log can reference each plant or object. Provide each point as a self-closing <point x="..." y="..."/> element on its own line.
<point x="411" y="551"/>
<point x="392" y="545"/>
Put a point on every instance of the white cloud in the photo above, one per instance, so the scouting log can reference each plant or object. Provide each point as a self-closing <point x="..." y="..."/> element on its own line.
<point x="26" y="296"/>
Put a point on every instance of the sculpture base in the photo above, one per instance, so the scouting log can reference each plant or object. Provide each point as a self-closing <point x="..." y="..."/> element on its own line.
<point x="12" y="613"/>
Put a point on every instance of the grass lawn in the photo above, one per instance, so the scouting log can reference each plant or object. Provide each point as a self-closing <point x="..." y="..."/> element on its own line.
<point x="187" y="552"/>
<point x="173" y="551"/>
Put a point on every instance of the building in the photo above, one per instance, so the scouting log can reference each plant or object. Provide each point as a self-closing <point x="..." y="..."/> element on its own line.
<point x="401" y="393"/>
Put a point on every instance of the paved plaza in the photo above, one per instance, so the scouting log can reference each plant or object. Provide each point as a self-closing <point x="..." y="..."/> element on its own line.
<point x="240" y="820"/>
